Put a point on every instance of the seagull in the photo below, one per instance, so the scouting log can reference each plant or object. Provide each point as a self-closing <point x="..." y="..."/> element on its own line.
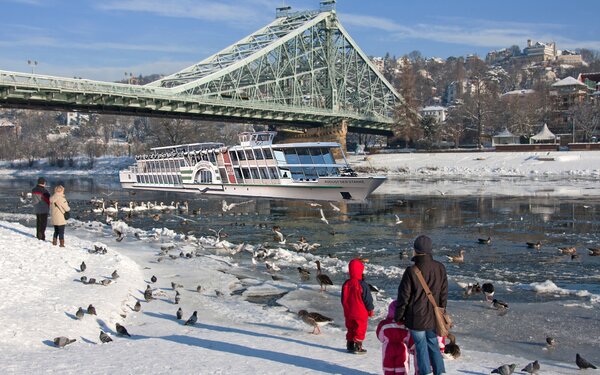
<point x="582" y="363"/>
<point x="532" y="368"/>
<point x="505" y="369"/>
<point x="335" y="208"/>
<point x="323" y="218"/>
<point x="398" y="221"/>
<point x="485" y="241"/>
<point x="279" y="236"/>
<point x="104" y="337"/>
<point x="179" y="314"/>
<point x="272" y="267"/>
<point x="227" y="207"/>
<point x="63" y="341"/>
<point x="121" y="330"/>
<point x="323" y="279"/>
<point x="315" y="205"/>
<point x="314" y="319"/>
<point x="460" y="258"/>
<point x="192" y="320"/>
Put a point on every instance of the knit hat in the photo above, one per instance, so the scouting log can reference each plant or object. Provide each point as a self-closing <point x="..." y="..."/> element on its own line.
<point x="422" y="245"/>
<point x="41" y="181"/>
<point x="392" y="309"/>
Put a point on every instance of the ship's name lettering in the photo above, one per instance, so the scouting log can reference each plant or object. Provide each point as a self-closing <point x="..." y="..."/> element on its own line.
<point x="345" y="182"/>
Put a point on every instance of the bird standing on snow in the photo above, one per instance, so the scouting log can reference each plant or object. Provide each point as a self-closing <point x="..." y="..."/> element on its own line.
<point x="583" y="363"/>
<point x="153" y="279"/>
<point x="500" y="305"/>
<point x="452" y="348"/>
<point x="315" y="320"/>
<point x="104" y="337"/>
<point x="505" y="369"/>
<point x="63" y="341"/>
<point x="121" y="330"/>
<point x="175" y="285"/>
<point x="91" y="310"/>
<point x="138" y="306"/>
<point x="179" y="314"/>
<point x="192" y="320"/>
<point x="148" y="294"/>
<point x="115" y="275"/>
<point x="550" y="341"/>
<point x="177" y="297"/>
<point x="323" y="279"/>
<point x="304" y="274"/>
<point x="532" y="368"/>
<point x="80" y="313"/>
<point x="82" y="267"/>
<point x="83" y="279"/>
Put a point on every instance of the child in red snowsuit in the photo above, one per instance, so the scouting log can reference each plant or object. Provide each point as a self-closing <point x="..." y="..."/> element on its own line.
<point x="396" y="340"/>
<point x="358" y="306"/>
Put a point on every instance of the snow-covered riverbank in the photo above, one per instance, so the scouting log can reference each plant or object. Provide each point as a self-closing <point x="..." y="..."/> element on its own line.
<point x="41" y="292"/>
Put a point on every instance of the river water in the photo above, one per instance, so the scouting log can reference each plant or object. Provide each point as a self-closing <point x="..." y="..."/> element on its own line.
<point x="550" y="289"/>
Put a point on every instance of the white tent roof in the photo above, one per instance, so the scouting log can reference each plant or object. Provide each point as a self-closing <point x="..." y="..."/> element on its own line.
<point x="544" y="134"/>
<point x="569" y="81"/>
<point x="505" y="134"/>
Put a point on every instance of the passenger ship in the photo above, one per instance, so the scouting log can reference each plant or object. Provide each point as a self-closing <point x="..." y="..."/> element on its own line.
<point x="254" y="168"/>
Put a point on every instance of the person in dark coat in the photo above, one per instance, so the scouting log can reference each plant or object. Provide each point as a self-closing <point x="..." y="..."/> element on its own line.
<point x="416" y="311"/>
<point x="41" y="207"/>
<point x="357" y="302"/>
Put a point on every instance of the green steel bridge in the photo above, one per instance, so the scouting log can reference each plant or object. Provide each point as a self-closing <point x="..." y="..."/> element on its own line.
<point x="302" y="70"/>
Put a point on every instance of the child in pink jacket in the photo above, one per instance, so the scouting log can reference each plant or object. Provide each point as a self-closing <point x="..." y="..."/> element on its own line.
<point x="396" y="340"/>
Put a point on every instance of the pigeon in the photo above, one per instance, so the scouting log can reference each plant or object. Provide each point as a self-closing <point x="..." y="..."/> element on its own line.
<point x="192" y="320"/>
<point x="80" y="313"/>
<point x="582" y="363"/>
<point x="175" y="285"/>
<point x="122" y="330"/>
<point x="314" y="319"/>
<point x="104" y="337"/>
<point x="153" y="279"/>
<point x="82" y="267"/>
<point x="91" y="310"/>
<point x="148" y="294"/>
<point x="137" y="307"/>
<point x="488" y="290"/>
<point x="532" y="368"/>
<point x="63" y="341"/>
<point x="550" y="341"/>
<point x="105" y="282"/>
<point x="115" y="275"/>
<point x="83" y="279"/>
<point x="505" y="369"/>
<point x="179" y="314"/>
<point x="91" y="281"/>
<point x="177" y="298"/>
<point x="500" y="305"/>
<point x="199" y="289"/>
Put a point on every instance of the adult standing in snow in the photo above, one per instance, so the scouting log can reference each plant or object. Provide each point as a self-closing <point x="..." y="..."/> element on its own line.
<point x="41" y="203"/>
<point x="417" y="312"/>
<point x="58" y="207"/>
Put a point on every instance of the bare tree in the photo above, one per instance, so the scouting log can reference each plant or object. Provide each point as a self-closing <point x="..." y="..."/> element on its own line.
<point x="586" y="118"/>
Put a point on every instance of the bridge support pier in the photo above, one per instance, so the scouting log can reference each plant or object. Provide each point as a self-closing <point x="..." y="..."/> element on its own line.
<point x="328" y="133"/>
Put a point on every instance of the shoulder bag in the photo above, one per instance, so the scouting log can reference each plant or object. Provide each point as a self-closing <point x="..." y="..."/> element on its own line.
<point x="443" y="321"/>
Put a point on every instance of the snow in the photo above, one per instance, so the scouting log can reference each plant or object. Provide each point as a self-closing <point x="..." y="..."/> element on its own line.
<point x="40" y="292"/>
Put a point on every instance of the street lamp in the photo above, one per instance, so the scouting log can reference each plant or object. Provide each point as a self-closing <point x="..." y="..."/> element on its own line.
<point x="32" y="64"/>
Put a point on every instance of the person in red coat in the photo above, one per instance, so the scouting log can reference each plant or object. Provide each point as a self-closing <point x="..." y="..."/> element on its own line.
<point x="358" y="306"/>
<point x="395" y="338"/>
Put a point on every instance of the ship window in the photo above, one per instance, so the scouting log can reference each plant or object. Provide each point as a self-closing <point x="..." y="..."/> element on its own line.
<point x="223" y="174"/>
<point x="238" y="174"/>
<point x="204" y="177"/>
<point x="291" y="157"/>
<point x="285" y="173"/>
<point x="310" y="173"/>
<point x="317" y="156"/>
<point x="267" y="153"/>
<point x="255" y="174"/>
<point x="246" y="173"/>
<point x="273" y="173"/>
<point x="304" y="156"/>
<point x="233" y="156"/>
<point x="264" y="173"/>
<point x="205" y="157"/>
<point x="327" y="156"/>
<point x="279" y="156"/>
<point x="249" y="155"/>
<point x="258" y="153"/>
<point x="241" y="155"/>
<point x="212" y="158"/>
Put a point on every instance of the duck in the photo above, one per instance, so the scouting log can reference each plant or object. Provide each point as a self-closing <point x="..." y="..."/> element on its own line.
<point x="570" y="250"/>
<point x="315" y="320"/>
<point x="485" y="241"/>
<point x="534" y="245"/>
<point x="460" y="258"/>
<point x="500" y="305"/>
<point x="452" y="349"/>
<point x="304" y="273"/>
<point x="323" y="279"/>
<point x="594" y="251"/>
<point x="488" y="291"/>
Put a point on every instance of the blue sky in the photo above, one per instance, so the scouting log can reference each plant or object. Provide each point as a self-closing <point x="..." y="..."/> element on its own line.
<point x="103" y="39"/>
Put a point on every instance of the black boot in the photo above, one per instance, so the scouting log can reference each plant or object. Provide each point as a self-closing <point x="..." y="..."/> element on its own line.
<point x="358" y="349"/>
<point x="350" y="347"/>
